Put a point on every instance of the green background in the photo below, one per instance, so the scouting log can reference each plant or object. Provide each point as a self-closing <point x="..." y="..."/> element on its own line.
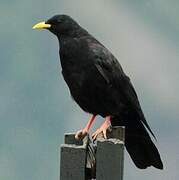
<point x="35" y="105"/>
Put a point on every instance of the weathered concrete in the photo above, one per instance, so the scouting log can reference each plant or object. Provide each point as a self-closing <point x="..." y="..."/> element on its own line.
<point x="78" y="158"/>
<point x="73" y="158"/>
<point x="110" y="155"/>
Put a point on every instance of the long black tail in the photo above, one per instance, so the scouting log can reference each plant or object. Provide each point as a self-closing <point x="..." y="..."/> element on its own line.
<point x="138" y="142"/>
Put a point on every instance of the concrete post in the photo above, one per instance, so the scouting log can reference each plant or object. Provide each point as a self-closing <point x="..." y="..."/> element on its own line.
<point x="110" y="155"/>
<point x="73" y="158"/>
<point x="107" y="158"/>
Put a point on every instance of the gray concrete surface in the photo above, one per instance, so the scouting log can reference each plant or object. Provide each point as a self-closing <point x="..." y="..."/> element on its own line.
<point x="73" y="158"/>
<point x="109" y="157"/>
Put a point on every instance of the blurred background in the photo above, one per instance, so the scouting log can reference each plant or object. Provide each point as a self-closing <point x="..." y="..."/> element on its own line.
<point x="35" y="105"/>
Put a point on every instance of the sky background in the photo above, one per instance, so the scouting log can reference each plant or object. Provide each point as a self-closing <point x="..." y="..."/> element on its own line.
<point x="35" y="106"/>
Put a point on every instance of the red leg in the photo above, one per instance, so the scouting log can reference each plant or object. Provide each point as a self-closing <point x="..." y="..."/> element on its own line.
<point x="103" y="128"/>
<point x="83" y="132"/>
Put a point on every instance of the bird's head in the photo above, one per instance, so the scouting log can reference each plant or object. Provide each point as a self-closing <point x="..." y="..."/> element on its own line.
<point x="59" y="25"/>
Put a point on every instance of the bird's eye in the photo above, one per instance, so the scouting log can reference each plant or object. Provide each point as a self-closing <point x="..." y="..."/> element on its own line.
<point x="59" y="21"/>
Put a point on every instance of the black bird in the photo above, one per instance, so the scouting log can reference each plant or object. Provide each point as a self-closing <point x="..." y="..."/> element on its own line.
<point x="99" y="85"/>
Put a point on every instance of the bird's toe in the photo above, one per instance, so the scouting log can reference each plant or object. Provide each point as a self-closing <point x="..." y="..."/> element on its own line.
<point x="81" y="134"/>
<point x="101" y="132"/>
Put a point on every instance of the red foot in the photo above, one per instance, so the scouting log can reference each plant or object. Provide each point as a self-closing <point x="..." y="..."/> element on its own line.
<point x="103" y="128"/>
<point x="83" y="132"/>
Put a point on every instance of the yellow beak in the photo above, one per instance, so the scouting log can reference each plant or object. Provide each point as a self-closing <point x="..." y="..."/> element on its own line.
<point x="41" y="25"/>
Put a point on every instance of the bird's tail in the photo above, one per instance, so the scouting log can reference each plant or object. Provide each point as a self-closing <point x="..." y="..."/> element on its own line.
<point x="138" y="142"/>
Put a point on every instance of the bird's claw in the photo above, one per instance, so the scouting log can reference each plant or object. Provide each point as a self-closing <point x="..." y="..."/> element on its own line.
<point x="103" y="129"/>
<point x="81" y="134"/>
<point x="99" y="131"/>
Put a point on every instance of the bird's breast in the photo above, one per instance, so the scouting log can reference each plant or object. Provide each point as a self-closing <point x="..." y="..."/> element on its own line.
<point x="87" y="86"/>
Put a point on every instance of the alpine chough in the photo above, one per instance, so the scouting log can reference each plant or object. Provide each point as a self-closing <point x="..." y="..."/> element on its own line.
<point x="99" y="85"/>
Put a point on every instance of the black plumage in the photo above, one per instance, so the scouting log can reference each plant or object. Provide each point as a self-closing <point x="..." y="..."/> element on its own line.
<point x="99" y="86"/>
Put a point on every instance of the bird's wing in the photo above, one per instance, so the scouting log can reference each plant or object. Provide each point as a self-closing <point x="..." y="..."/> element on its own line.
<point x="112" y="72"/>
<point x="110" y="69"/>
